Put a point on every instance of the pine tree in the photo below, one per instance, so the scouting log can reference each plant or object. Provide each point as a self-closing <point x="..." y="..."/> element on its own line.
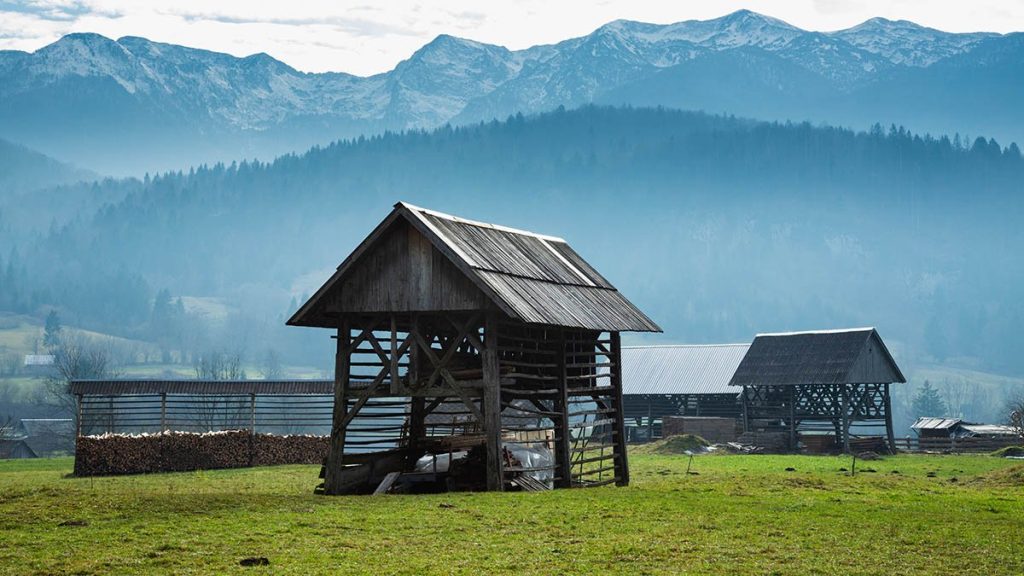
<point x="928" y="402"/>
<point x="51" y="331"/>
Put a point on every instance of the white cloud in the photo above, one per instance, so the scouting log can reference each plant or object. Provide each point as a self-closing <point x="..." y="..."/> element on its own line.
<point x="366" y="37"/>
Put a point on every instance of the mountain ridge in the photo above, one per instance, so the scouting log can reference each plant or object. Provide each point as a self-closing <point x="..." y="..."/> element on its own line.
<point x="145" y="106"/>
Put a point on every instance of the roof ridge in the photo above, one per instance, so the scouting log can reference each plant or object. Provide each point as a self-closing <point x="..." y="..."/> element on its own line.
<point x="642" y="346"/>
<point x="480" y="224"/>
<point x="832" y="331"/>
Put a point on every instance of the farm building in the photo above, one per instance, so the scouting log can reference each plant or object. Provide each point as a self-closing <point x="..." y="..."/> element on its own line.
<point x="514" y="326"/>
<point x="48" y="436"/>
<point x="15" y="448"/>
<point x="958" y="428"/>
<point x="678" y="380"/>
<point x="135" y="426"/>
<point x="825" y="381"/>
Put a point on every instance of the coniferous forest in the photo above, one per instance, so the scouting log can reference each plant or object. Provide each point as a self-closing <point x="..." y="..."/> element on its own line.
<point x="909" y="232"/>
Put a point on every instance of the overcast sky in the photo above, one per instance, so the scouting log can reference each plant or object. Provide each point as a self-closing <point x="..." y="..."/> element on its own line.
<point x="368" y="36"/>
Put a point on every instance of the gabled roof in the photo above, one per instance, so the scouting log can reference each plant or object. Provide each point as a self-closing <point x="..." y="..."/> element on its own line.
<point x="680" y="369"/>
<point x="531" y="277"/>
<point x="850" y="356"/>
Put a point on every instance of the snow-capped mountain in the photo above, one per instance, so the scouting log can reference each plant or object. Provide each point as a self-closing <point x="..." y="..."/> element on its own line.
<point x="132" y="105"/>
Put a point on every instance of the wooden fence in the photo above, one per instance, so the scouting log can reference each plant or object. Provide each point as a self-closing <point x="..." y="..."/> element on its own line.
<point x="955" y="444"/>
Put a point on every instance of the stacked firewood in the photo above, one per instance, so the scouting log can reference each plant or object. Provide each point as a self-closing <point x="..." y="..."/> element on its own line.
<point x="111" y="454"/>
<point x="303" y="449"/>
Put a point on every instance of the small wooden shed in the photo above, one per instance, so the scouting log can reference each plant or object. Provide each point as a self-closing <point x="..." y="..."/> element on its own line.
<point x="821" y="380"/>
<point x="514" y="326"/>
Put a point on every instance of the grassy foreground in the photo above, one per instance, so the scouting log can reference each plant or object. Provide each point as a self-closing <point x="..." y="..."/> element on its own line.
<point x="738" y="515"/>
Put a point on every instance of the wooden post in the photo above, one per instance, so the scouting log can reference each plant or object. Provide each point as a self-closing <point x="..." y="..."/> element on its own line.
<point x="163" y="412"/>
<point x="888" y="419"/>
<point x="621" y="460"/>
<point x="846" y="419"/>
<point x="341" y="381"/>
<point x="746" y="415"/>
<point x="417" y="429"/>
<point x="393" y="370"/>
<point x="252" y="413"/>
<point x="792" y="418"/>
<point x="563" y="441"/>
<point x="492" y="405"/>
<point x="78" y="415"/>
<point x="650" y="419"/>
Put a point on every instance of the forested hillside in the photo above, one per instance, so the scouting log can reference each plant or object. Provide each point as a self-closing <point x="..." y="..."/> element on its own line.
<point x="717" y="227"/>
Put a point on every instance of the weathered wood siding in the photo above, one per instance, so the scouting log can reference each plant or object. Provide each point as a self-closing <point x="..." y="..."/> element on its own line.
<point x="873" y="364"/>
<point x="405" y="273"/>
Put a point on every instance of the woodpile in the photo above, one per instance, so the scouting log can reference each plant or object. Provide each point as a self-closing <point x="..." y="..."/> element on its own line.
<point x="112" y="454"/>
<point x="770" y="442"/>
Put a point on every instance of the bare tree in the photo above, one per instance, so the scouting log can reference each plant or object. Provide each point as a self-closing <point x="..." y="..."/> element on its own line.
<point x="6" y="426"/>
<point x="219" y="412"/>
<point x="219" y="365"/>
<point x="270" y="366"/>
<point x="76" y="357"/>
<point x="956" y="393"/>
<point x="1015" y="408"/>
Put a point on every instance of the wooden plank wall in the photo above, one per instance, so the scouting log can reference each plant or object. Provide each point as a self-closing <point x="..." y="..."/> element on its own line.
<point x="405" y="273"/>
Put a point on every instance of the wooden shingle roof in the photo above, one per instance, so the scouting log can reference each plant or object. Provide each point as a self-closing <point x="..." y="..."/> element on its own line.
<point x="533" y="278"/>
<point x="853" y="356"/>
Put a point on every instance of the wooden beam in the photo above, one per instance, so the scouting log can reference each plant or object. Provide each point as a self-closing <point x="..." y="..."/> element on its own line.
<point x="563" y="443"/>
<point x="396" y="383"/>
<point x="846" y="419"/>
<point x="336" y="451"/>
<point x="888" y="420"/>
<point x="492" y="405"/>
<point x="621" y="462"/>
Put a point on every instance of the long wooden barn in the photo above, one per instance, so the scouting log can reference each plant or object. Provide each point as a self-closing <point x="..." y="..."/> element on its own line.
<point x="829" y="380"/>
<point x="514" y="328"/>
<point x="689" y="380"/>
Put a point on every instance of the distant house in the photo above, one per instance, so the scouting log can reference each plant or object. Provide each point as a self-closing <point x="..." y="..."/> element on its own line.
<point x="47" y="436"/>
<point x="678" y="380"/>
<point x="12" y="448"/>
<point x="930" y="427"/>
<point x="39" y="360"/>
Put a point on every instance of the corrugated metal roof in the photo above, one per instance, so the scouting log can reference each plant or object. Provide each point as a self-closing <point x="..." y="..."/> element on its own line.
<point x="926" y="423"/>
<point x="817" y="357"/>
<point x="989" y="429"/>
<point x="198" y="387"/>
<point x="684" y="369"/>
<point x="534" y="278"/>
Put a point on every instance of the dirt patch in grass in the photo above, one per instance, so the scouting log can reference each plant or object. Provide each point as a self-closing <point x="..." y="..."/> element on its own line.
<point x="673" y="445"/>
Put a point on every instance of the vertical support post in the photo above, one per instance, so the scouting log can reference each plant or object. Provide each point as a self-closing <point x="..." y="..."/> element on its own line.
<point x="163" y="412"/>
<point x="650" y="419"/>
<point x="846" y="418"/>
<point x="492" y="405"/>
<point x="78" y="415"/>
<point x="341" y="382"/>
<point x="792" y="418"/>
<point x="393" y="370"/>
<point x="621" y="460"/>
<point x="746" y="410"/>
<point x="417" y="408"/>
<point x="563" y="441"/>
<point x="887" y="403"/>
<point x="252" y="413"/>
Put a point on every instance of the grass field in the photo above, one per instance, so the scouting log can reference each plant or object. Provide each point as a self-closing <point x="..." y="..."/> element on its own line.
<point x="738" y="515"/>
